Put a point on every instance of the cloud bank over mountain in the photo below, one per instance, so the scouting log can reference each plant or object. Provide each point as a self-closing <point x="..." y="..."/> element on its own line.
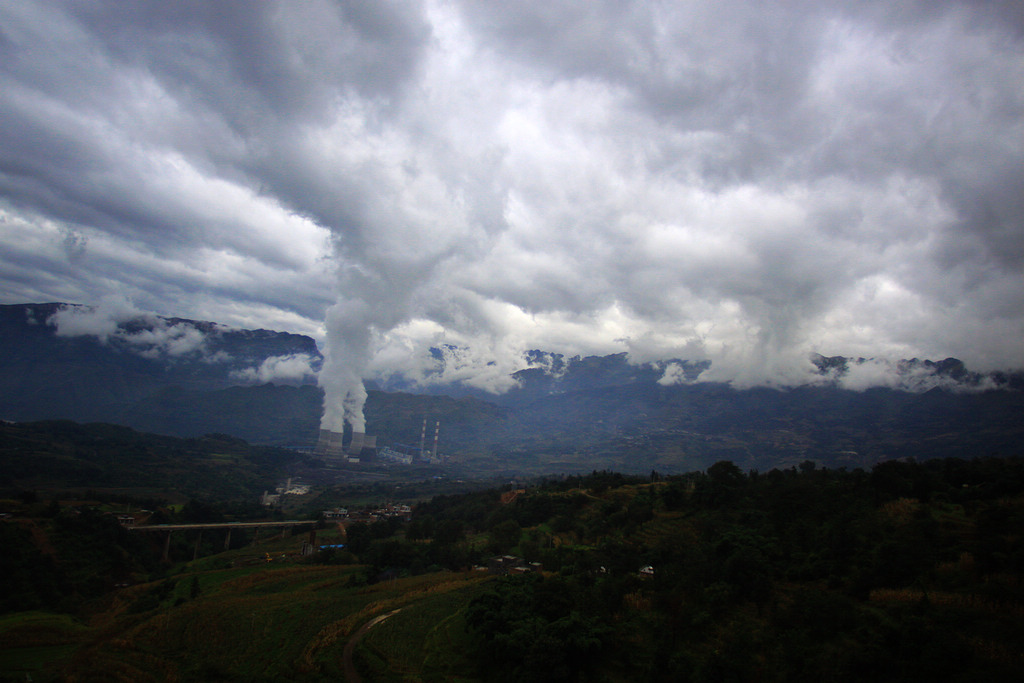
<point x="146" y="334"/>
<point x="258" y="357"/>
<point x="739" y="182"/>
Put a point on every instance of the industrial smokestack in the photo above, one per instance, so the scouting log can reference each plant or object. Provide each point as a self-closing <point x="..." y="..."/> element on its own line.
<point x="437" y="428"/>
<point x="423" y="436"/>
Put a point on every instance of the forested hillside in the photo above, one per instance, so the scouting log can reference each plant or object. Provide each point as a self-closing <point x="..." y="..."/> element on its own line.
<point x="911" y="571"/>
<point x="59" y="455"/>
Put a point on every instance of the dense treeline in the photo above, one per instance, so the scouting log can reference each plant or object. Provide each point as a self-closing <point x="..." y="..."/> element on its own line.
<point x="63" y="455"/>
<point x="60" y="559"/>
<point x="909" y="570"/>
<point x="58" y="555"/>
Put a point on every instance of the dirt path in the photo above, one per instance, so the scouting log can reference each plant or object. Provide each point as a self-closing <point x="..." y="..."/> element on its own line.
<point x="351" y="675"/>
<point x="39" y="537"/>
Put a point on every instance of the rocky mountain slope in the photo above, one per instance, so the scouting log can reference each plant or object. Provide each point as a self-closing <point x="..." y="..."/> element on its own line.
<point x="187" y="378"/>
<point x="62" y="361"/>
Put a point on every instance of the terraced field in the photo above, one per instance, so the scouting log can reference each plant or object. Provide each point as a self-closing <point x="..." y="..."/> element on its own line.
<point x="237" y="617"/>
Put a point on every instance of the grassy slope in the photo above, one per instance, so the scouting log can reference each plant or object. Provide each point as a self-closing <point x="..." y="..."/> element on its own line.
<point x="251" y="621"/>
<point x="283" y="620"/>
<point x="30" y="640"/>
<point x="425" y="639"/>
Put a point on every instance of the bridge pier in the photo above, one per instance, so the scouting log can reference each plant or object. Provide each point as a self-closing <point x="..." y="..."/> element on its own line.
<point x="286" y="526"/>
<point x="309" y="545"/>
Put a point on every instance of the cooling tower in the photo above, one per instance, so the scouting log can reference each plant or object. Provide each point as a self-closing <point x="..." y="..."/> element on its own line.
<point x="355" y="446"/>
<point x="325" y="438"/>
<point x="334" y="447"/>
<point x="329" y="443"/>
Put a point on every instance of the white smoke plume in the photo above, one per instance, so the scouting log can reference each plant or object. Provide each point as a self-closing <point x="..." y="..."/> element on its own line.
<point x="349" y="330"/>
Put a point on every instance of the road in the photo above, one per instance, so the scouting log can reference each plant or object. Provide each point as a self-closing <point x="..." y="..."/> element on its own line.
<point x="351" y="675"/>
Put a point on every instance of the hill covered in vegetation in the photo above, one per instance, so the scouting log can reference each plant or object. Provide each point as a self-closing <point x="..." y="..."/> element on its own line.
<point x="63" y="361"/>
<point x="909" y="571"/>
<point x="64" y="455"/>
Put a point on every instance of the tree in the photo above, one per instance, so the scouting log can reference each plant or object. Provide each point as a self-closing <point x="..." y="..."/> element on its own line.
<point x="449" y="531"/>
<point x="505" y="535"/>
<point x="527" y="629"/>
<point x="725" y="473"/>
<point x="723" y="482"/>
<point x="358" y="537"/>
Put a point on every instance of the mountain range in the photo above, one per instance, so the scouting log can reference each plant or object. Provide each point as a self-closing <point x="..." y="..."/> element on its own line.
<point x="189" y="378"/>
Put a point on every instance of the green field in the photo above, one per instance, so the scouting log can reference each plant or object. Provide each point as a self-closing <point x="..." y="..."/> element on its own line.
<point x="29" y="641"/>
<point x="235" y="616"/>
<point x="425" y="640"/>
<point x="911" y="572"/>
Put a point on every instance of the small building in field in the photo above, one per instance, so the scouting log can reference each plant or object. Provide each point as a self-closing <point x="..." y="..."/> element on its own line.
<point x="511" y="564"/>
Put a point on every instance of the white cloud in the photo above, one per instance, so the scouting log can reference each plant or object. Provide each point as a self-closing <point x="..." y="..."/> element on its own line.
<point x="674" y="374"/>
<point x="733" y="181"/>
<point x="862" y="374"/>
<point x="290" y="369"/>
<point x="102" y="321"/>
<point x="111" y="320"/>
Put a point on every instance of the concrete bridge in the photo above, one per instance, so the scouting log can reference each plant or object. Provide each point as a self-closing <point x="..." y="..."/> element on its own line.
<point x="169" y="528"/>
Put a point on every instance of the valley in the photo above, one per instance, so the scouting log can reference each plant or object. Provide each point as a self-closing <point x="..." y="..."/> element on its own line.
<point x="910" y="570"/>
<point x="592" y="523"/>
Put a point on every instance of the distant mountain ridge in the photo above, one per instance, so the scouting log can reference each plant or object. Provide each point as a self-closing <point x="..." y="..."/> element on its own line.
<point x="67" y="361"/>
<point x="189" y="378"/>
<point x="919" y="375"/>
<point x="550" y="374"/>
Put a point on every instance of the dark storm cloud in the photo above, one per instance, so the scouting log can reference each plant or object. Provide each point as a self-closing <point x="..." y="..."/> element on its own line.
<point x="808" y="94"/>
<point x="250" y="61"/>
<point x="741" y="181"/>
<point x="219" y="83"/>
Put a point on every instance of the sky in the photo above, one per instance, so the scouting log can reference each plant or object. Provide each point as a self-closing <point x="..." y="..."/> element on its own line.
<point x="735" y="181"/>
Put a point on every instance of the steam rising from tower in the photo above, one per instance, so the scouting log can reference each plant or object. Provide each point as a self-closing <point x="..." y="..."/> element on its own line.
<point x="349" y="331"/>
<point x="389" y="245"/>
